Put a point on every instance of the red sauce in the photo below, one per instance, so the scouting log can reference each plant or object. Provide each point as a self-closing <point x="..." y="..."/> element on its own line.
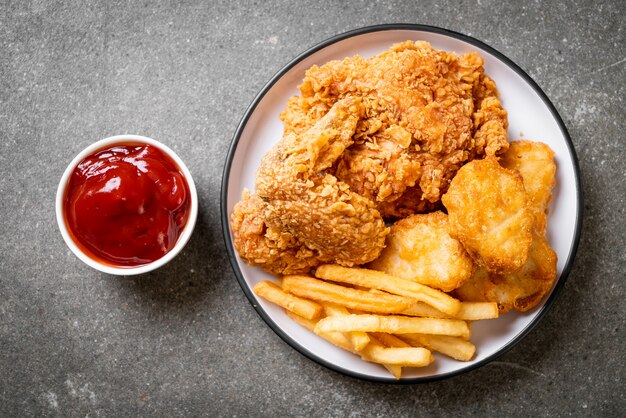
<point x="126" y="205"/>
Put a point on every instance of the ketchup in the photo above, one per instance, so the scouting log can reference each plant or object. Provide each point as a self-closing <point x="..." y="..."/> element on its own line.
<point x="126" y="205"/>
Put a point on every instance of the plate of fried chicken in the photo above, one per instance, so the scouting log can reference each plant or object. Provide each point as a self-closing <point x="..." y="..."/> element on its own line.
<point x="414" y="151"/>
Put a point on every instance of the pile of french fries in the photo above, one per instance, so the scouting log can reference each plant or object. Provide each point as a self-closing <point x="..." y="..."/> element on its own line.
<point x="384" y="319"/>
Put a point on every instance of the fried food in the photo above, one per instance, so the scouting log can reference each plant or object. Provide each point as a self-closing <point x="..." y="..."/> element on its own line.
<point x="535" y="162"/>
<point x="398" y="356"/>
<point x="420" y="248"/>
<point x="454" y="347"/>
<point x="367" y="139"/>
<point x="489" y="214"/>
<point x="273" y="293"/>
<point x="427" y="112"/>
<point x="521" y="290"/>
<point x="319" y="290"/>
<point x="359" y="320"/>
<point x="381" y="281"/>
<point x="397" y="137"/>
<point x="339" y="339"/>
<point x="270" y="248"/>
<point x="473" y="311"/>
<point x="470" y="311"/>
<point x="358" y="339"/>
<point x="301" y="215"/>
<point x="390" y="340"/>
<point x="393" y="324"/>
<point x="374" y="351"/>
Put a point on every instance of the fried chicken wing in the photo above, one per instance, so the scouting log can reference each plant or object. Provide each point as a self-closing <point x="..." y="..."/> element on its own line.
<point x="489" y="213"/>
<point x="535" y="162"/>
<point x="277" y="251"/>
<point x="427" y="112"/>
<point x="301" y="215"/>
<point x="366" y="139"/>
<point x="419" y="248"/>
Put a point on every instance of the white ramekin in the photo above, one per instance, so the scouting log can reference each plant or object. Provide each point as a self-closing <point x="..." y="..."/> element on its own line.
<point x="182" y="239"/>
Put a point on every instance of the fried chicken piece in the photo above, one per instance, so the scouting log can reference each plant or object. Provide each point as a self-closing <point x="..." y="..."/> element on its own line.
<point x="301" y="215"/>
<point x="277" y="251"/>
<point x="489" y="213"/>
<point x="535" y="162"/>
<point x="419" y="248"/>
<point x="427" y="112"/>
<point x="521" y="290"/>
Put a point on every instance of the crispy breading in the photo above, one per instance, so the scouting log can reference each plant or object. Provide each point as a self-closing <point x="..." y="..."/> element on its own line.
<point x="535" y="162"/>
<point x="427" y="112"/>
<point x="366" y="139"/>
<point x="276" y="251"/>
<point x="489" y="213"/>
<point x="302" y="216"/>
<point x="521" y="290"/>
<point x="419" y="248"/>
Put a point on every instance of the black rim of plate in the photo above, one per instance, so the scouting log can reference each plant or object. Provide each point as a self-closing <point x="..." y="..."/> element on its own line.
<point x="233" y="147"/>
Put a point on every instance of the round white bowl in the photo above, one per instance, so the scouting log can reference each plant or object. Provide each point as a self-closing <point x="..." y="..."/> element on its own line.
<point x="182" y="239"/>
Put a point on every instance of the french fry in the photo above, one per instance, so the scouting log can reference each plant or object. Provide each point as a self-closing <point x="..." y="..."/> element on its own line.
<point x="342" y="340"/>
<point x="382" y="281"/>
<point x="397" y="356"/>
<point x="454" y="347"/>
<point x="351" y="321"/>
<point x="466" y="335"/>
<point x="337" y="338"/>
<point x="359" y="339"/>
<point x="305" y="308"/>
<point x="473" y="311"/>
<point x="373" y="354"/>
<point x="395" y="370"/>
<point x="393" y="325"/>
<point x="302" y="321"/>
<point x="424" y="310"/>
<point x="390" y="340"/>
<point x="470" y="311"/>
<point x="319" y="290"/>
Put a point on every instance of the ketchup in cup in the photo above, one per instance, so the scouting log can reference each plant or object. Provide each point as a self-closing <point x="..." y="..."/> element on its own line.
<point x="126" y="205"/>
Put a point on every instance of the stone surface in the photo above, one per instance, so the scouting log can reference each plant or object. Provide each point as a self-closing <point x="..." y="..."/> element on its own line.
<point x="184" y="340"/>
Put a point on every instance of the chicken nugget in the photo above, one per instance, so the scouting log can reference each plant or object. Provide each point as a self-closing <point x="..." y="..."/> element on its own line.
<point x="419" y="248"/>
<point x="489" y="214"/>
<point x="535" y="162"/>
<point x="521" y="290"/>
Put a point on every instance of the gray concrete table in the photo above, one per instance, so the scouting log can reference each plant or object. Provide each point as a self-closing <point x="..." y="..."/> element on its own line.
<point x="184" y="340"/>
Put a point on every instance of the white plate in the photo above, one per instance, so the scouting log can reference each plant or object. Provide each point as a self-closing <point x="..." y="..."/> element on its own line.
<point x="530" y="112"/>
